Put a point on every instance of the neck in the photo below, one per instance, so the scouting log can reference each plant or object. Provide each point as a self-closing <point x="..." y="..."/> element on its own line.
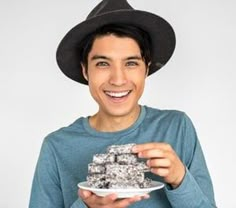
<point x="109" y="123"/>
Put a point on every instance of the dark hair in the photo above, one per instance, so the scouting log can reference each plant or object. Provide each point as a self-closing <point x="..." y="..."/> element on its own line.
<point x="140" y="36"/>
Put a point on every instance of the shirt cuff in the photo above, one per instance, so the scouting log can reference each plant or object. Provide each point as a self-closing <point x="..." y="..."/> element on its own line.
<point x="185" y="194"/>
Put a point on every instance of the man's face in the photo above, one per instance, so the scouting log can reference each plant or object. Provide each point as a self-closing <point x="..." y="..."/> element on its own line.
<point x="116" y="75"/>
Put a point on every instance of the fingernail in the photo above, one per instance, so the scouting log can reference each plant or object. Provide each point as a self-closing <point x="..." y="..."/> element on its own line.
<point x="140" y="154"/>
<point x="153" y="170"/>
<point x="146" y="196"/>
<point x="134" y="149"/>
<point x="113" y="197"/>
<point x="85" y="194"/>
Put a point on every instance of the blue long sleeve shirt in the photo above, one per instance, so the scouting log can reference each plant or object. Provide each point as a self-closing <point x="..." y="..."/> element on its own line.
<point x="65" y="155"/>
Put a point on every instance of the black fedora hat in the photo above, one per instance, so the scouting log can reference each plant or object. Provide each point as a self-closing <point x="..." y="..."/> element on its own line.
<point x="109" y="12"/>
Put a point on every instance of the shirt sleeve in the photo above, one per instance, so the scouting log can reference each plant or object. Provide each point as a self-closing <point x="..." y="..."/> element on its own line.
<point x="196" y="189"/>
<point x="46" y="189"/>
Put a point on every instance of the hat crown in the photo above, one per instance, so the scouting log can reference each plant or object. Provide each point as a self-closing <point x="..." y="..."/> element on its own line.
<point x="107" y="6"/>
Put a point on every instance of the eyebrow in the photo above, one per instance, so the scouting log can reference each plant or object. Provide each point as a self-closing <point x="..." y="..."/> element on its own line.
<point x="134" y="57"/>
<point x="95" y="57"/>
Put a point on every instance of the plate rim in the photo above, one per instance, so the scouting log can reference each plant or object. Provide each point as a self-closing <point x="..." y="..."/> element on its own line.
<point x="155" y="185"/>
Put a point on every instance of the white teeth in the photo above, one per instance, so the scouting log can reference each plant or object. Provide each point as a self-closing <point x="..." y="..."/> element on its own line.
<point x="117" y="94"/>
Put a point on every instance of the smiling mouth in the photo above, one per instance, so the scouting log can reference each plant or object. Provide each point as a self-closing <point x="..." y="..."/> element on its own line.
<point x="117" y="94"/>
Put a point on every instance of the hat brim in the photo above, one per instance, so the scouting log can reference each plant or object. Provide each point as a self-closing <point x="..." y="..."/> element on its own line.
<point x="161" y="33"/>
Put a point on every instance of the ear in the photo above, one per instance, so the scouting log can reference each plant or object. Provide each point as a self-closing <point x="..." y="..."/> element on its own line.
<point x="84" y="71"/>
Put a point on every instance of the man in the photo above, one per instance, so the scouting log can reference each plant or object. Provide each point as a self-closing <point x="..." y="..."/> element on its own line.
<point x="113" y="51"/>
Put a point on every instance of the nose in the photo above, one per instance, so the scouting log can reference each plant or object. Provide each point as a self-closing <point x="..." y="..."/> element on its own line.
<point x="118" y="76"/>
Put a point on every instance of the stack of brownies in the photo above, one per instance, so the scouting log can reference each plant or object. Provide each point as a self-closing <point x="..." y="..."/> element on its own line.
<point x="119" y="168"/>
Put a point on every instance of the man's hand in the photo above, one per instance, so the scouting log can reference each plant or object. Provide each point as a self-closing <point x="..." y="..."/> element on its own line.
<point x="163" y="161"/>
<point x="110" y="201"/>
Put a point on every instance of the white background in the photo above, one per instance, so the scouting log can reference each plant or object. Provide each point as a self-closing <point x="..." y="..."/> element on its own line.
<point x="36" y="98"/>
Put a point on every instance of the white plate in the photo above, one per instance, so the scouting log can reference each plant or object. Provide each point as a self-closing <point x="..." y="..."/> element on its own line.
<point x="122" y="193"/>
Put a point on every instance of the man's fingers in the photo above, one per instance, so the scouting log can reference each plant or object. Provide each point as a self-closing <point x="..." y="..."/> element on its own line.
<point x="84" y="194"/>
<point x="107" y="199"/>
<point x="148" y="146"/>
<point x="128" y="201"/>
<point x="163" y="172"/>
<point x="157" y="163"/>
<point x="151" y="153"/>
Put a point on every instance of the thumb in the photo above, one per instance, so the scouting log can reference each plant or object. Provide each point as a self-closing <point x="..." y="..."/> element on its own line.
<point x="84" y="194"/>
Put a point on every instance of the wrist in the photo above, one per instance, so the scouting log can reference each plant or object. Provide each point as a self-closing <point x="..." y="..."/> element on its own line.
<point x="179" y="179"/>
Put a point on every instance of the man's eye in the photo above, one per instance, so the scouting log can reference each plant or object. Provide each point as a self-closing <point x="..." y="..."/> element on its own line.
<point x="102" y="63"/>
<point x="131" y="63"/>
